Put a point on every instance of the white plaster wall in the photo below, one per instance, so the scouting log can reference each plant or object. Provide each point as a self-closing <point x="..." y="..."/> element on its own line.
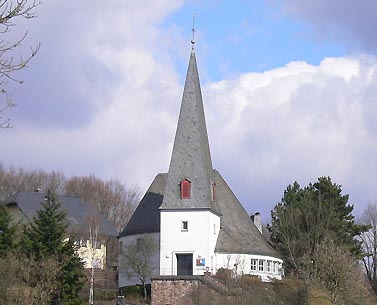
<point x="200" y="239"/>
<point x="155" y="260"/>
<point x="241" y="264"/>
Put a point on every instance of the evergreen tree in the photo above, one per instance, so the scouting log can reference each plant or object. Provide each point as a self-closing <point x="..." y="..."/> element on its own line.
<point x="305" y="217"/>
<point x="7" y="232"/>
<point x="44" y="239"/>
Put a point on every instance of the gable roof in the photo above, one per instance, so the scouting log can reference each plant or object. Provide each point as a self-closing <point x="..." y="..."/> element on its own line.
<point x="191" y="158"/>
<point x="238" y="233"/>
<point x="77" y="211"/>
<point x="146" y="218"/>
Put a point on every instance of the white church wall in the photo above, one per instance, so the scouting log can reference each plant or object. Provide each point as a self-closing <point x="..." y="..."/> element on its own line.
<point x="198" y="238"/>
<point x="124" y="279"/>
<point x="265" y="267"/>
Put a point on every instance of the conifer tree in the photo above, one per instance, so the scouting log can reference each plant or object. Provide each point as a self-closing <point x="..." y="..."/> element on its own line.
<point x="45" y="238"/>
<point x="7" y="232"/>
<point x="307" y="216"/>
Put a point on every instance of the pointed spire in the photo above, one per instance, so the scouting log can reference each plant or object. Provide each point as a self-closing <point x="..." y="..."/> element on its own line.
<point x="191" y="158"/>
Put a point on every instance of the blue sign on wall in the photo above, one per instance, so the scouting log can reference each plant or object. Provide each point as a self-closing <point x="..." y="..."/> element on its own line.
<point x="200" y="262"/>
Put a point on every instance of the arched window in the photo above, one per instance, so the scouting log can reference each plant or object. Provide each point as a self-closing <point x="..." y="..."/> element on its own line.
<point x="185" y="189"/>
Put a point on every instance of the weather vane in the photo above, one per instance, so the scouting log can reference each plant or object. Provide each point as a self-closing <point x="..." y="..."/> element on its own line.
<point x="193" y="31"/>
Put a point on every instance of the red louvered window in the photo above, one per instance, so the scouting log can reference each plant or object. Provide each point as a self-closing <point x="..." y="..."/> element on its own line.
<point x="214" y="191"/>
<point x="185" y="189"/>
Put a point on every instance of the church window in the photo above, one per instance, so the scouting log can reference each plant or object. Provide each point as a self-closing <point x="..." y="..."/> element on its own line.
<point x="254" y="264"/>
<point x="184" y="226"/>
<point x="185" y="189"/>
<point x="261" y="265"/>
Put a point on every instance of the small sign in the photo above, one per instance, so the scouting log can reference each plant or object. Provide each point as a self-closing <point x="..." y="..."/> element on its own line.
<point x="200" y="262"/>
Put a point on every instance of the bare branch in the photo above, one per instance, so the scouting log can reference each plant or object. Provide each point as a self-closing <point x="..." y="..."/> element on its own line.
<point x="10" y="11"/>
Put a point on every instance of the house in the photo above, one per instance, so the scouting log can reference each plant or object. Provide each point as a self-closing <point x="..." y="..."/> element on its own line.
<point x="81" y="217"/>
<point x="190" y="212"/>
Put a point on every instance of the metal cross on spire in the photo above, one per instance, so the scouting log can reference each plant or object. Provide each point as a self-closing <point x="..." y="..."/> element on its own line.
<point x="193" y="32"/>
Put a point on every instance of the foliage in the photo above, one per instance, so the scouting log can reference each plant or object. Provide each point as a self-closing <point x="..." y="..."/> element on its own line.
<point x="305" y="217"/>
<point x="10" y="12"/>
<point x="44" y="239"/>
<point x="7" y="232"/>
<point x="18" y="284"/>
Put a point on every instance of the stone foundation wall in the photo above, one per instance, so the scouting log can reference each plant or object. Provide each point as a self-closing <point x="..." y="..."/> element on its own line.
<point x="173" y="290"/>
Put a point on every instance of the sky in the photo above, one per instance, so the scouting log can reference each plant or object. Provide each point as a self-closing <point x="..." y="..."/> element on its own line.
<point x="289" y="90"/>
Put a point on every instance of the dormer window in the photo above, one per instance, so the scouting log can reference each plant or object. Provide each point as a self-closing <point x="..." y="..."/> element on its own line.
<point x="185" y="189"/>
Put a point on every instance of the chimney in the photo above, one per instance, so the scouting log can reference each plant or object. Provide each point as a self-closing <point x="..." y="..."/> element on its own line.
<point x="256" y="218"/>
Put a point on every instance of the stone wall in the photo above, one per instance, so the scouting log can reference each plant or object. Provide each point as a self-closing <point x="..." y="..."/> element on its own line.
<point x="173" y="290"/>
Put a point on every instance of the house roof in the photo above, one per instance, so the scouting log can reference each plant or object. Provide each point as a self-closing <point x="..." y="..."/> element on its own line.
<point x="191" y="158"/>
<point x="77" y="211"/>
<point x="146" y="218"/>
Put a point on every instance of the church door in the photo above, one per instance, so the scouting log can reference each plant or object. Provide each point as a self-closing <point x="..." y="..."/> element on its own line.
<point x="184" y="264"/>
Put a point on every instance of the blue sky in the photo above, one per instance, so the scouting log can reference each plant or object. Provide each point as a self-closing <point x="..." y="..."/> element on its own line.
<point x="289" y="90"/>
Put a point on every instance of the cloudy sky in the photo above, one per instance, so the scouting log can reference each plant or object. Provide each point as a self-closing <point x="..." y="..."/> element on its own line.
<point x="289" y="89"/>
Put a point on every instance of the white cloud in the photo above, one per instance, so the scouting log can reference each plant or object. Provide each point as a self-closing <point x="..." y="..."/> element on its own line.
<point x="298" y="122"/>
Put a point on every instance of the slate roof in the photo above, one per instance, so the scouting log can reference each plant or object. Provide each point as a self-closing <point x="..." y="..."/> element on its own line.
<point x="77" y="211"/>
<point x="146" y="218"/>
<point x="238" y="234"/>
<point x="191" y="158"/>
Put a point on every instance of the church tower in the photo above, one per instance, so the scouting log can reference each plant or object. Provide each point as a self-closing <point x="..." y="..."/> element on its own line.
<point x="190" y="220"/>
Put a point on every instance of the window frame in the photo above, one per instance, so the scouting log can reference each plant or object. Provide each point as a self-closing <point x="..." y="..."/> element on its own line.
<point x="269" y="266"/>
<point x="254" y="264"/>
<point x="261" y="265"/>
<point x="184" y="225"/>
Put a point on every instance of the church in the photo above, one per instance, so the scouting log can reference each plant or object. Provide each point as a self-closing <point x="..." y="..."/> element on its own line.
<point x="190" y="213"/>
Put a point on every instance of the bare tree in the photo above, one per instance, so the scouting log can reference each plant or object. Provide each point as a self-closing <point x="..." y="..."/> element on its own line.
<point x="27" y="281"/>
<point x="340" y="275"/>
<point x="10" y="11"/>
<point x="111" y="197"/>
<point x="13" y="180"/>
<point x="137" y="259"/>
<point x="93" y="225"/>
<point x="369" y="243"/>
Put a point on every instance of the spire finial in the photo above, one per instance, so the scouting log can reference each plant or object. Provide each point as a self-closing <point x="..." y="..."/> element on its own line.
<point x="193" y="32"/>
